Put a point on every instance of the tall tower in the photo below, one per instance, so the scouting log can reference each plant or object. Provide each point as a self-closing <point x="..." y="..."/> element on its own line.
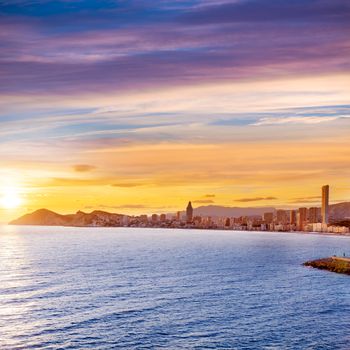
<point x="325" y="204"/>
<point x="189" y="212"/>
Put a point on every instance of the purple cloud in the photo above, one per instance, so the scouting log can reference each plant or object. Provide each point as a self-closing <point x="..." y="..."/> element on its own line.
<point x="271" y="10"/>
<point x="155" y="46"/>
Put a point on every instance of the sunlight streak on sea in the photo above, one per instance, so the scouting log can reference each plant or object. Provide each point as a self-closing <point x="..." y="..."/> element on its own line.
<point x="103" y="288"/>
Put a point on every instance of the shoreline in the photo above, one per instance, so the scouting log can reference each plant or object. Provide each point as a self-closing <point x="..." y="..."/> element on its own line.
<point x="328" y="234"/>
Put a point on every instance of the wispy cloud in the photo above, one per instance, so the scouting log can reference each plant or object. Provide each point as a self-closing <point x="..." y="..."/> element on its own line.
<point x="128" y="206"/>
<point x="82" y="168"/>
<point x="309" y="201"/>
<point x="74" y="182"/>
<point x="293" y="120"/>
<point x="131" y="45"/>
<point x="203" y="201"/>
<point x="305" y="200"/>
<point x="127" y="184"/>
<point x="255" y="199"/>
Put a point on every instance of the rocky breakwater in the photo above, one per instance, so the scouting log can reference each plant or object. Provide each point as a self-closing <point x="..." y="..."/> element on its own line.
<point x="333" y="264"/>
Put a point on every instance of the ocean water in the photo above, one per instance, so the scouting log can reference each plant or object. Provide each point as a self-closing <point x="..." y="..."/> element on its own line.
<point x="120" y="288"/>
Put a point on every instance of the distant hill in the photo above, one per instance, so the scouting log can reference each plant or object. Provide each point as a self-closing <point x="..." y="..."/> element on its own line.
<point x="336" y="211"/>
<point x="339" y="211"/>
<point x="221" y="211"/>
<point x="41" y="217"/>
<point x="217" y="210"/>
<point x="45" y="217"/>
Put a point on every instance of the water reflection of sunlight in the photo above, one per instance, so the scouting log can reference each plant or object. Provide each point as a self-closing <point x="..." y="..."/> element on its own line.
<point x="14" y="281"/>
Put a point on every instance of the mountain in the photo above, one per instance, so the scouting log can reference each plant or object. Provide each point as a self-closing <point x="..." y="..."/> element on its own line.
<point x="339" y="211"/>
<point x="45" y="217"/>
<point x="217" y="210"/>
<point x="41" y="217"/>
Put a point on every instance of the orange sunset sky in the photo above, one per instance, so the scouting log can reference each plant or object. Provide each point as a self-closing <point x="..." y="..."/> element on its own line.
<point x="142" y="116"/>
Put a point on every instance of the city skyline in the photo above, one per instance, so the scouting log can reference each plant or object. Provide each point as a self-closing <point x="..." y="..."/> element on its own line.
<point x="119" y="105"/>
<point x="313" y="202"/>
<point x="294" y="215"/>
<point x="313" y="219"/>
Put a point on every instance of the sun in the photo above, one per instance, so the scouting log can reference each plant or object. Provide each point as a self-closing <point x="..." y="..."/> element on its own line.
<point x="10" y="199"/>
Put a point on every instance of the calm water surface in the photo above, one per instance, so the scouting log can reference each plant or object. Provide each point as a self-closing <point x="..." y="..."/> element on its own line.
<point x="115" y="288"/>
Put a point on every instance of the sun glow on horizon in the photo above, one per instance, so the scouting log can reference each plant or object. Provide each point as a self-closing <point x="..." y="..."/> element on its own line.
<point x="10" y="198"/>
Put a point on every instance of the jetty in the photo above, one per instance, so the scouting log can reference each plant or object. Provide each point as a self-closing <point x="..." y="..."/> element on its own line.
<point x="334" y="264"/>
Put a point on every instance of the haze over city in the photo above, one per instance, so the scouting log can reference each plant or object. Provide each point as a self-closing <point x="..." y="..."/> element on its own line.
<point x="137" y="107"/>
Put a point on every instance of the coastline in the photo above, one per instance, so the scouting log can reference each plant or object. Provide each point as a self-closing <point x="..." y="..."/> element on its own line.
<point x="328" y="234"/>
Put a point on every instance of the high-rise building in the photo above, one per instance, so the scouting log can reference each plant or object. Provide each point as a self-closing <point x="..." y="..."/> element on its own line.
<point x="325" y="204"/>
<point x="313" y="215"/>
<point x="268" y="218"/>
<point x="302" y="218"/>
<point x="281" y="216"/>
<point x="293" y="217"/>
<point x="162" y="217"/>
<point x="189" y="212"/>
<point x="178" y="215"/>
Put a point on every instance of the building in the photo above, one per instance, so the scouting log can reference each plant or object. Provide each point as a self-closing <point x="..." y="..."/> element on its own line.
<point x="281" y="216"/>
<point x="154" y="218"/>
<point x="197" y="219"/>
<point x="313" y="215"/>
<point x="144" y="219"/>
<point x="125" y="220"/>
<point x="293" y="217"/>
<point x="189" y="212"/>
<point x="268" y="218"/>
<point x="178" y="216"/>
<point x="209" y="221"/>
<point x="162" y="217"/>
<point x="302" y="218"/>
<point x="325" y="204"/>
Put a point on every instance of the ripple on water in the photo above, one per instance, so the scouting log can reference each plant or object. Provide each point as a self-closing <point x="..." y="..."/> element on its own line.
<point x="174" y="289"/>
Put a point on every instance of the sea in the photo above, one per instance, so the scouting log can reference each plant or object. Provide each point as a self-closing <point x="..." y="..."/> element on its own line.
<point x="135" y="288"/>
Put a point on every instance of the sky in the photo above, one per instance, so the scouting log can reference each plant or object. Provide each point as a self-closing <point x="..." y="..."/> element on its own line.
<point x="140" y="106"/>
